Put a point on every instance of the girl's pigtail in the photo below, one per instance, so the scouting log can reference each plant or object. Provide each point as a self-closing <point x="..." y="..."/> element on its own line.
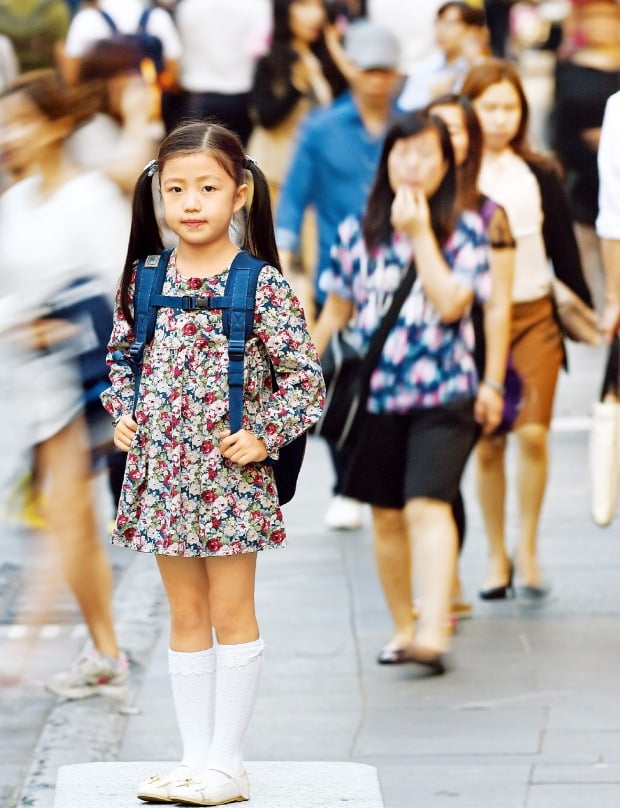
<point x="260" y="236"/>
<point x="144" y="235"/>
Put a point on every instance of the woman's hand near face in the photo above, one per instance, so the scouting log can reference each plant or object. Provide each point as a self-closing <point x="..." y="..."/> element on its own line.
<point x="410" y="211"/>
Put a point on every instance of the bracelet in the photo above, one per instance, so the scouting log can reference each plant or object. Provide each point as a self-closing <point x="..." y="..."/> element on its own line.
<point x="499" y="388"/>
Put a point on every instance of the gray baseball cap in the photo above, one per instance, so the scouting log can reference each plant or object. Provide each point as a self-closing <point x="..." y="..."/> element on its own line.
<point x="371" y="46"/>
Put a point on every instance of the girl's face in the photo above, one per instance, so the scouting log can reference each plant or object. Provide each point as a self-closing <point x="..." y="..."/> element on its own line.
<point x="417" y="162"/>
<point x="25" y="132"/>
<point x="454" y="118"/>
<point x="499" y="111"/>
<point x="199" y="198"/>
<point x="307" y="19"/>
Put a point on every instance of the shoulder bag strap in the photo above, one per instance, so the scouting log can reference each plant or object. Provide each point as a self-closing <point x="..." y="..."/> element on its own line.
<point x="373" y="354"/>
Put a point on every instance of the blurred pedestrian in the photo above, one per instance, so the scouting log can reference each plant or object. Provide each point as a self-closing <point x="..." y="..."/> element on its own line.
<point x="198" y="497"/>
<point x="419" y="429"/>
<point x="492" y="320"/>
<point x="331" y="171"/>
<point x="222" y="40"/>
<point x="608" y="219"/>
<point x="460" y="33"/>
<point x="57" y="225"/>
<point x="528" y="187"/>
<point x="584" y="80"/>
<point x="37" y="29"/>
<point x="303" y="69"/>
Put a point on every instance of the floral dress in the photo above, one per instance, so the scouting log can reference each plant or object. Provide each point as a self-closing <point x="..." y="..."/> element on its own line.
<point x="180" y="497"/>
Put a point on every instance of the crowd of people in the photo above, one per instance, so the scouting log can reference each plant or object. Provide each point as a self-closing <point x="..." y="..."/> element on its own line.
<point x="362" y="151"/>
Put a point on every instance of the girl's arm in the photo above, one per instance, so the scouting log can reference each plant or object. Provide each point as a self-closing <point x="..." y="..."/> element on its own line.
<point x="335" y="314"/>
<point x="298" y="401"/>
<point x="411" y="215"/>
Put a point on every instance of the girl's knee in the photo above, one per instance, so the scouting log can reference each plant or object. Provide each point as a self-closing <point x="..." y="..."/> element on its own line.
<point x="490" y="451"/>
<point x="388" y="522"/>
<point x="189" y="613"/>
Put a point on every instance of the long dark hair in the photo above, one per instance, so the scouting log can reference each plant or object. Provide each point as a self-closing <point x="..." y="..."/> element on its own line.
<point x="281" y="55"/>
<point x="376" y="225"/>
<point x="189" y="138"/>
<point x="467" y="173"/>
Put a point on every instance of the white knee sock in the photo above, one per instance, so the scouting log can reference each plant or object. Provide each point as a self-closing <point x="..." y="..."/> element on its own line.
<point x="238" y="673"/>
<point x="192" y="676"/>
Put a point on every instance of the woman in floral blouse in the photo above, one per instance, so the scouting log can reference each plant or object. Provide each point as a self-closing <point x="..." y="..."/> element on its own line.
<point x="420" y="426"/>
<point x="198" y="497"/>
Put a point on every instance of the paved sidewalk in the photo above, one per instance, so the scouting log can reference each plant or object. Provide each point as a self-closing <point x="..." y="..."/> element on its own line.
<point x="528" y="718"/>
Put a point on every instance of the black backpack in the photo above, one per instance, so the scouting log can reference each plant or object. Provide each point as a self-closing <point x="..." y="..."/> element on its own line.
<point x="237" y="306"/>
<point x="146" y="44"/>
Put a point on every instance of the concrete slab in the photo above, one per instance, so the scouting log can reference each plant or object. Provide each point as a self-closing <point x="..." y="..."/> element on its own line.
<point x="274" y="784"/>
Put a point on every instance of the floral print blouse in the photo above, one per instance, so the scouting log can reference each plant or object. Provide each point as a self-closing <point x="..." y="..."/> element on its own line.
<point x="180" y="497"/>
<point x="425" y="362"/>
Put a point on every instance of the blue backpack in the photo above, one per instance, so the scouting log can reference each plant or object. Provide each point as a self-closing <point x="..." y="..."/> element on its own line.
<point x="237" y="305"/>
<point x="146" y="44"/>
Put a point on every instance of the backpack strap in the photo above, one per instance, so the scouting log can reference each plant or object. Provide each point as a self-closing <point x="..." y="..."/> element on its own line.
<point x="150" y="276"/>
<point x="144" y="20"/>
<point x="109" y="20"/>
<point x="237" y="306"/>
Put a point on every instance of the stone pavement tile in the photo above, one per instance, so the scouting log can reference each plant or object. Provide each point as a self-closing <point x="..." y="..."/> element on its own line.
<point x="591" y="710"/>
<point x="581" y="746"/>
<point x="599" y="772"/>
<point x="573" y="796"/>
<point x="463" y="783"/>
<point x="421" y="733"/>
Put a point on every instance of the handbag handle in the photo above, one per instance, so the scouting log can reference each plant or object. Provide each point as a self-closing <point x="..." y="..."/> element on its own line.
<point x="377" y="341"/>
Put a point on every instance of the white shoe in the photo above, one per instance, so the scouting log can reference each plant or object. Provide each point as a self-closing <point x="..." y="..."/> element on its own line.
<point x="344" y="513"/>
<point x="201" y="792"/>
<point x="92" y="675"/>
<point x="161" y="788"/>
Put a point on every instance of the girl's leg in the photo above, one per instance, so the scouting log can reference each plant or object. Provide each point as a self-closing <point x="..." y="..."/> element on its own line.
<point x="239" y="664"/>
<point x="63" y="465"/>
<point x="531" y="484"/>
<point x="435" y="544"/>
<point x="191" y="658"/>
<point x="393" y="559"/>
<point x="491" y="479"/>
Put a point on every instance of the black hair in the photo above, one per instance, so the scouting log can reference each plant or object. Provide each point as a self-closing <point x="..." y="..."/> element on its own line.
<point x="470" y="15"/>
<point x="190" y="138"/>
<point x="376" y="224"/>
<point x="281" y="55"/>
<point x="466" y="174"/>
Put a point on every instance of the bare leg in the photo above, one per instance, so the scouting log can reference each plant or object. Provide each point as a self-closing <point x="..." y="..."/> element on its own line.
<point x="393" y="559"/>
<point x="435" y="543"/>
<point x="491" y="479"/>
<point x="531" y="484"/>
<point x="63" y="464"/>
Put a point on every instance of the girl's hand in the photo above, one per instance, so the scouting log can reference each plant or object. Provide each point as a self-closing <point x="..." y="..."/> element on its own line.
<point x="488" y="408"/>
<point x="410" y="212"/>
<point x="242" y="448"/>
<point x="124" y="433"/>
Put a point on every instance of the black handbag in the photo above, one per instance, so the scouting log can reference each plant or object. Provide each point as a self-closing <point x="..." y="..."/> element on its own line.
<point x="347" y="373"/>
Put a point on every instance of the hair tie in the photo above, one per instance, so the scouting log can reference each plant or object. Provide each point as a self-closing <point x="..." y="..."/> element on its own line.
<point x="150" y="168"/>
<point x="249" y="161"/>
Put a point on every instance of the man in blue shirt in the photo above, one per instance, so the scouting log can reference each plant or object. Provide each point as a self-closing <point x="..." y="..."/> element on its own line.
<point x="332" y="170"/>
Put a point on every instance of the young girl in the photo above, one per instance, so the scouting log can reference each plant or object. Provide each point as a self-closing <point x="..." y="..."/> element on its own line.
<point x="195" y="495"/>
<point x="420" y="426"/>
<point x="529" y="189"/>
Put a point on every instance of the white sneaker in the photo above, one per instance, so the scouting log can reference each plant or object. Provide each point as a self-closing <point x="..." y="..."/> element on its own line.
<point x="344" y="513"/>
<point x="92" y="675"/>
<point x="201" y="792"/>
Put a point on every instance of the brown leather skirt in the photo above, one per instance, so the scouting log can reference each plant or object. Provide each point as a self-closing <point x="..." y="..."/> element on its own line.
<point x="537" y="355"/>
